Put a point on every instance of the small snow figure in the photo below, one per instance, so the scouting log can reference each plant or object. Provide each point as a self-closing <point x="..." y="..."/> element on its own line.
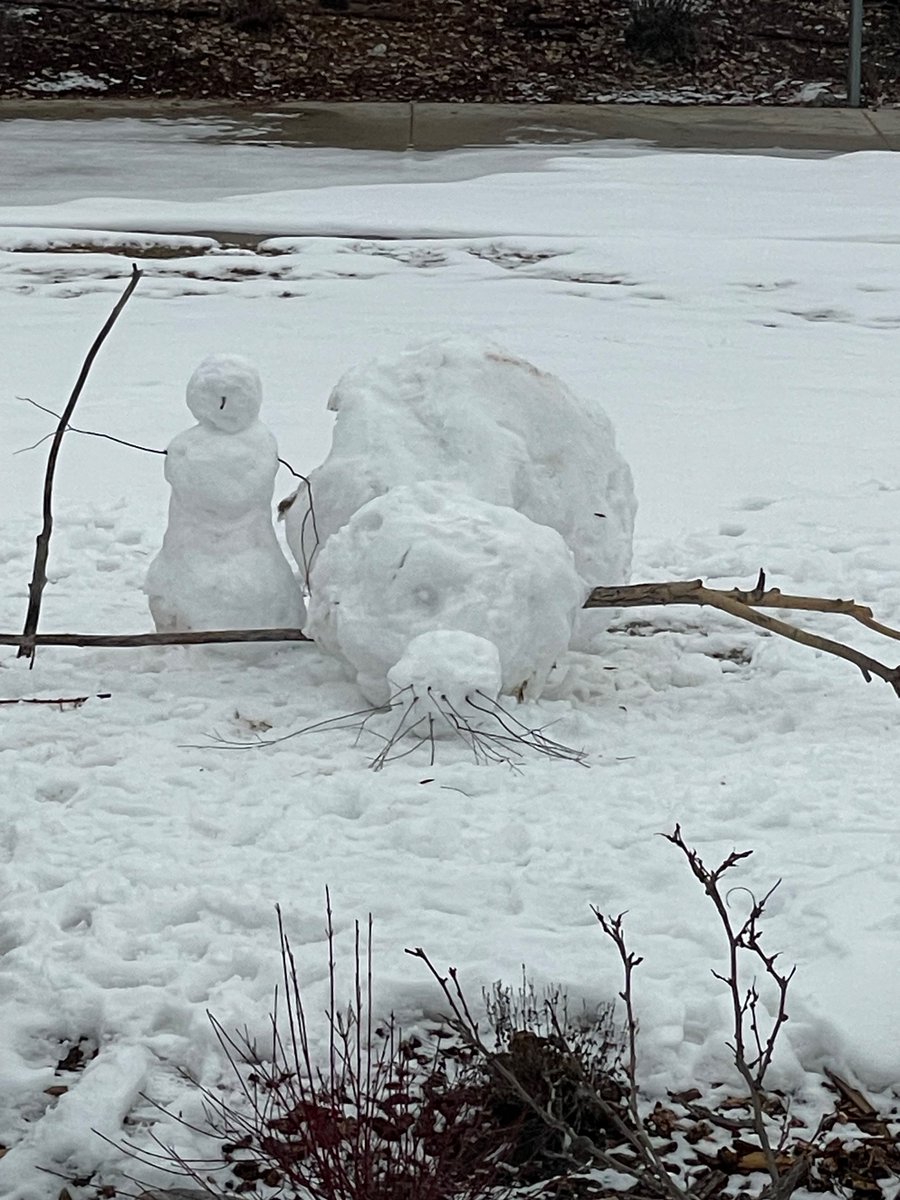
<point x="220" y="566"/>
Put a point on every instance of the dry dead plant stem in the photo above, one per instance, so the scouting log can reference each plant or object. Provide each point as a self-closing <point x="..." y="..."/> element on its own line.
<point x="742" y="603"/>
<point x="752" y="1064"/>
<point x="614" y="930"/>
<point x="42" y="548"/>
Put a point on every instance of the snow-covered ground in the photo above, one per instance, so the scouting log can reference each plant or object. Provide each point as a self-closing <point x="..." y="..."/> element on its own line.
<point x="737" y="317"/>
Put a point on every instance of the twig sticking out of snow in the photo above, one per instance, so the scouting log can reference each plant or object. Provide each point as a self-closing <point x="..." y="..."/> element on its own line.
<point x="42" y="548"/>
<point x="751" y="1046"/>
<point x="309" y="518"/>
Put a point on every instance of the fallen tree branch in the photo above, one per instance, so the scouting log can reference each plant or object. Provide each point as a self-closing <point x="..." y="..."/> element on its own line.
<point x="61" y="701"/>
<point x="42" y="548"/>
<point x="742" y="603"/>
<point x="736" y="602"/>
<point x="197" y="637"/>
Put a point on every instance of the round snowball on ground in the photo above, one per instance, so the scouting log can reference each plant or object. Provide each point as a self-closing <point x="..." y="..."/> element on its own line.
<point x="462" y="410"/>
<point x="429" y="556"/>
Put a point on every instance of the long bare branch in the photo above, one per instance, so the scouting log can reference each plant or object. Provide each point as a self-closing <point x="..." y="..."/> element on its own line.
<point x="742" y="604"/>
<point x="42" y="547"/>
<point x="694" y="591"/>
<point x="737" y="602"/>
<point x="199" y="637"/>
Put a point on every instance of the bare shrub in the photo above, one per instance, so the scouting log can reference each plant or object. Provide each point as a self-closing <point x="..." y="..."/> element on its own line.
<point x="386" y="1118"/>
<point x="533" y="1102"/>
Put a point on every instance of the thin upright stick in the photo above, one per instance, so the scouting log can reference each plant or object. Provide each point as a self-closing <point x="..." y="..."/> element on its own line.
<point x="42" y="548"/>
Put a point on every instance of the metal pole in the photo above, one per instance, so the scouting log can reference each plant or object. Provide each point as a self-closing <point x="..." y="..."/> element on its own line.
<point x="854" y="71"/>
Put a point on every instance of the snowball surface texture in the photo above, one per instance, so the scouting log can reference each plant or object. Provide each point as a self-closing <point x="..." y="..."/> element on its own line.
<point x="429" y="556"/>
<point x="463" y="410"/>
<point x="220" y="566"/>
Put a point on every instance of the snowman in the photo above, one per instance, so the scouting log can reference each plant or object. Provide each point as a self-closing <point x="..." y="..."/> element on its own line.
<point x="220" y="566"/>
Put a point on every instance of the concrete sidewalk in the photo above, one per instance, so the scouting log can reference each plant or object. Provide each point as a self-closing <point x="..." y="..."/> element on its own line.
<point x="701" y="127"/>
<point x="402" y="126"/>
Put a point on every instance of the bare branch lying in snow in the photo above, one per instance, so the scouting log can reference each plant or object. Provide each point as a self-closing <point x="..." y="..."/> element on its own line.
<point x="60" y="702"/>
<point x="195" y="637"/>
<point x="736" y="602"/>
<point x="742" y="604"/>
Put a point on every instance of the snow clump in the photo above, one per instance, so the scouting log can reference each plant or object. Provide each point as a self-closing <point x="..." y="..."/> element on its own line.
<point x="429" y="557"/>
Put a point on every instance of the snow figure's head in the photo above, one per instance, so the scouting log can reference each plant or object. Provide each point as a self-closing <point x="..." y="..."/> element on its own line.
<point x="448" y="679"/>
<point x="225" y="393"/>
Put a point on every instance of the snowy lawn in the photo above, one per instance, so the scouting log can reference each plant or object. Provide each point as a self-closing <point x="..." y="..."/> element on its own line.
<point x="738" y="319"/>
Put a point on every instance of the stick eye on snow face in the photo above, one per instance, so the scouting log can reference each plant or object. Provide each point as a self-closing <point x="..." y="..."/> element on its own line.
<point x="222" y="405"/>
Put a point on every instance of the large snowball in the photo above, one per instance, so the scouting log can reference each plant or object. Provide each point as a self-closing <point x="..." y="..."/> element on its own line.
<point x="225" y="393"/>
<point x="459" y="409"/>
<point x="429" y="556"/>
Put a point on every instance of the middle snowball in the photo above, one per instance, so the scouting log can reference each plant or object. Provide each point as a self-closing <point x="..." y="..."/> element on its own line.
<point x="429" y="556"/>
